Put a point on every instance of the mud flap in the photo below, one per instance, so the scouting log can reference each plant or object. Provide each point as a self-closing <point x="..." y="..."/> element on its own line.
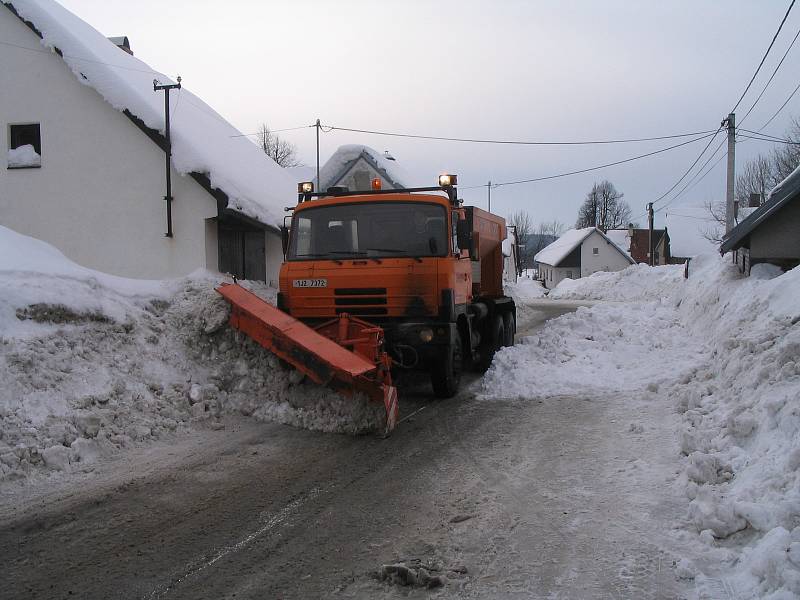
<point x="392" y="408"/>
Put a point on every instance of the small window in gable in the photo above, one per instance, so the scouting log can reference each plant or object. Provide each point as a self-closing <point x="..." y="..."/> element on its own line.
<point x="25" y="146"/>
<point x="595" y="250"/>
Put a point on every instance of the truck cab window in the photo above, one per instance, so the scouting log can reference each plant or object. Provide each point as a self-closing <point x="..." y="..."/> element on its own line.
<point x="375" y="229"/>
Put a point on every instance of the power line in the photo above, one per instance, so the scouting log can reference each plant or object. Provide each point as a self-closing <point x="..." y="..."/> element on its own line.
<point x="753" y="78"/>
<point x="696" y="180"/>
<point x="329" y="128"/>
<point x="89" y="60"/>
<point x="595" y="168"/>
<point x="762" y="134"/>
<point x="274" y="131"/>
<point x="777" y="112"/>
<point x="766" y="85"/>
<point x="696" y="160"/>
<point x="769" y="139"/>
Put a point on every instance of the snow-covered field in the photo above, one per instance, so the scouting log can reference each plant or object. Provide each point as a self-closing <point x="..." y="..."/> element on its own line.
<point x="92" y="364"/>
<point x="724" y="350"/>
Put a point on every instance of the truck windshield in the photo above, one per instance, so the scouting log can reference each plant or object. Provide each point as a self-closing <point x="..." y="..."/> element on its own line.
<point x="379" y="229"/>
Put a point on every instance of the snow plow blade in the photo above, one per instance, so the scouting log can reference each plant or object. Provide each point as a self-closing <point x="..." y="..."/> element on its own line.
<point x="344" y="354"/>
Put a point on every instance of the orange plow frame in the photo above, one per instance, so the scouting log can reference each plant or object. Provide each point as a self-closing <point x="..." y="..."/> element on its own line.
<point x="345" y="354"/>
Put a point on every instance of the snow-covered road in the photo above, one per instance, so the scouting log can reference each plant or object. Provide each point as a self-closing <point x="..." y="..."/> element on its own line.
<point x="559" y="497"/>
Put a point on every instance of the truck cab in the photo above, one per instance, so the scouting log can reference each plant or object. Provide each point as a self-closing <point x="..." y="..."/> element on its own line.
<point x="415" y="262"/>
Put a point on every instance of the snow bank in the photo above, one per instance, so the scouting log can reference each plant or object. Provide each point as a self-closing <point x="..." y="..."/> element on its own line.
<point x="725" y="349"/>
<point x="607" y="348"/>
<point x="202" y="141"/>
<point x="525" y="289"/>
<point x="92" y="364"/>
<point x="24" y="156"/>
<point x="636" y="282"/>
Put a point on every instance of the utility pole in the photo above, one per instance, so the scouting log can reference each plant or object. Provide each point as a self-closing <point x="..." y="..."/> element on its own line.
<point x="319" y="184"/>
<point x="157" y="86"/>
<point x="650" y="235"/>
<point x="489" y="192"/>
<point x="729" y="210"/>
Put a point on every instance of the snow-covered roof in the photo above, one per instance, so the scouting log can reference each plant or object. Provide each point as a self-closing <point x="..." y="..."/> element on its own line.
<point x="345" y="156"/>
<point x="786" y="191"/>
<point x="563" y="246"/>
<point x="621" y="239"/>
<point x="202" y="141"/>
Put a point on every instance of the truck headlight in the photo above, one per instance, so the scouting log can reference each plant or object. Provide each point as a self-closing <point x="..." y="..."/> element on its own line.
<point x="447" y="179"/>
<point x="426" y="335"/>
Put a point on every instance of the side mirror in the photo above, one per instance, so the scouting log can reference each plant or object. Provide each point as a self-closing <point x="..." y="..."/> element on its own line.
<point x="463" y="237"/>
<point x="285" y="240"/>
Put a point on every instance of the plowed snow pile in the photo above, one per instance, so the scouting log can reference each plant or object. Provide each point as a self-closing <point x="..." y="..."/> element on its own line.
<point x="725" y="349"/>
<point x="91" y="364"/>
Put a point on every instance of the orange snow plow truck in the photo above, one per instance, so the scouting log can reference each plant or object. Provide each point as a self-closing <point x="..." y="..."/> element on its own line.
<point x="378" y="281"/>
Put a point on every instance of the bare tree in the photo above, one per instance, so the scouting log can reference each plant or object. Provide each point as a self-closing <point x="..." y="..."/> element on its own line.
<point x="282" y="152"/>
<point x="758" y="176"/>
<point x="786" y="157"/>
<point x="716" y="227"/>
<point x="603" y="208"/>
<point x="522" y="221"/>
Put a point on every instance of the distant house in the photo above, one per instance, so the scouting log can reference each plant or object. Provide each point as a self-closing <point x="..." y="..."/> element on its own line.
<point x="770" y="233"/>
<point x="82" y="158"/>
<point x="579" y="253"/>
<point x="636" y="242"/>
<point x="355" y="166"/>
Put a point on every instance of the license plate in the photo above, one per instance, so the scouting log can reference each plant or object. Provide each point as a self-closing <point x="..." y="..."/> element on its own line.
<point x="310" y="283"/>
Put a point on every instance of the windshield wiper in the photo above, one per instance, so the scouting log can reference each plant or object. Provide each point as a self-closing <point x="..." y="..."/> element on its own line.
<point x="339" y="253"/>
<point x="385" y="250"/>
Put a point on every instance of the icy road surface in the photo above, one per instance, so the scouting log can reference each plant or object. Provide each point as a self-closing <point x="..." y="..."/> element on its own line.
<point x="563" y="497"/>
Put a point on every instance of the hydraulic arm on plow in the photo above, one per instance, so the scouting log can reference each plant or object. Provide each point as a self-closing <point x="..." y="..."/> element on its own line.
<point x="345" y="353"/>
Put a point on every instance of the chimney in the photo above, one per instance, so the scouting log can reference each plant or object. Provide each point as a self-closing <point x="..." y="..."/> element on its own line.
<point x="630" y="230"/>
<point x="736" y="209"/>
<point x="122" y="43"/>
<point x="755" y="200"/>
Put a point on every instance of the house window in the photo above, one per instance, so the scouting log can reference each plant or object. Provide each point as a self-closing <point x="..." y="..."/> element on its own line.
<point x="595" y="250"/>
<point x="25" y="146"/>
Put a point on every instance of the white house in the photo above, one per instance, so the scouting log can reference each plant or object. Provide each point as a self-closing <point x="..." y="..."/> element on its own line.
<point x="579" y="253"/>
<point x="355" y="166"/>
<point x="82" y="158"/>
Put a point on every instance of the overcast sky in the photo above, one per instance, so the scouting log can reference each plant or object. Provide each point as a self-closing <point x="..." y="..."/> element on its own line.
<point x="529" y="70"/>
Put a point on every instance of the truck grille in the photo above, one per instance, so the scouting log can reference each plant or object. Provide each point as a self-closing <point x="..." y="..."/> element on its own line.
<point x="360" y="301"/>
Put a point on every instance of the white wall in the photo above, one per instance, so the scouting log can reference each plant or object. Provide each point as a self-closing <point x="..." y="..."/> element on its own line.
<point x="554" y="275"/>
<point x="98" y="196"/>
<point x="608" y="258"/>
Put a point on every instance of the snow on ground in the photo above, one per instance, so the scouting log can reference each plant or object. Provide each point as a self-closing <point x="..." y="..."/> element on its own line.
<point x="92" y="364"/>
<point x="725" y="350"/>
<point x="525" y="289"/>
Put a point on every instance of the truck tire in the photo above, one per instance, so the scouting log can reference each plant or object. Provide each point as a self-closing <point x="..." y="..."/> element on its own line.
<point x="509" y="329"/>
<point x="446" y="372"/>
<point x="491" y="343"/>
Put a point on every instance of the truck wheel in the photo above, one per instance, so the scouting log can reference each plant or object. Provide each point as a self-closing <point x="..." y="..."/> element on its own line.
<point x="509" y="329"/>
<point x="446" y="372"/>
<point x="490" y="344"/>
